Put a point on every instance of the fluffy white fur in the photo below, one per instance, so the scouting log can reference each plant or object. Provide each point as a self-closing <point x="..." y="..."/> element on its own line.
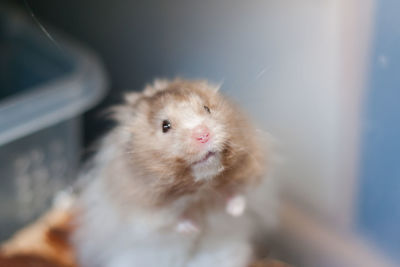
<point x="146" y="239"/>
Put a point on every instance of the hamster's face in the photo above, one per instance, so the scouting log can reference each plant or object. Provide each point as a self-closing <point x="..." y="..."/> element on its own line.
<point x="183" y="127"/>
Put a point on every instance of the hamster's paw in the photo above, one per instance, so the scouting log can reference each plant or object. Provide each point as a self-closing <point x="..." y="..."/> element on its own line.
<point x="236" y="205"/>
<point x="186" y="226"/>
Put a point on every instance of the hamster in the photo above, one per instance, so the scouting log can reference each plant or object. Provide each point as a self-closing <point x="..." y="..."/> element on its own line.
<point x="168" y="184"/>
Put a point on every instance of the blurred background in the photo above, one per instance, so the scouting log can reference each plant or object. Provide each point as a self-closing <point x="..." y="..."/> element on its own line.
<point x="321" y="76"/>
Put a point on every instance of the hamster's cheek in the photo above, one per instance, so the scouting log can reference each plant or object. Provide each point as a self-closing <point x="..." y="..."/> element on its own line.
<point x="219" y="134"/>
<point x="171" y="145"/>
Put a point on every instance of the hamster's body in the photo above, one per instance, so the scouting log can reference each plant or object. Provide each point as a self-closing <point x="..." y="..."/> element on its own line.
<point x="163" y="178"/>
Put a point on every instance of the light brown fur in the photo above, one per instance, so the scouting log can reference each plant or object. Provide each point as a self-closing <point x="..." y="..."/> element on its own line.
<point x="155" y="184"/>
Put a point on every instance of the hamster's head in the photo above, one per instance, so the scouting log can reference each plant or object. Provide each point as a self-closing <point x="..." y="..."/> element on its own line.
<point x="182" y="128"/>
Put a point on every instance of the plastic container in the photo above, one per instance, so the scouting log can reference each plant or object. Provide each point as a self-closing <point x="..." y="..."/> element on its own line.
<point x="44" y="89"/>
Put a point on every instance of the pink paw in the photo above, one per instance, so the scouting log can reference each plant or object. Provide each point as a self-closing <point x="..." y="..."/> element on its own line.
<point x="236" y="205"/>
<point x="186" y="226"/>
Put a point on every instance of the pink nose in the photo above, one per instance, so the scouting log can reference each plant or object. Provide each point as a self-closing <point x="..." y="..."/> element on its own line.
<point x="201" y="133"/>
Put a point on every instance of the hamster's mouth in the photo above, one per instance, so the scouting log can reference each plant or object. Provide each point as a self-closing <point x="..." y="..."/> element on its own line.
<point x="207" y="167"/>
<point x="209" y="155"/>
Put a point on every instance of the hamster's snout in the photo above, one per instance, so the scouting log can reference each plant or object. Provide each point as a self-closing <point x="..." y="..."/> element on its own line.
<point x="201" y="133"/>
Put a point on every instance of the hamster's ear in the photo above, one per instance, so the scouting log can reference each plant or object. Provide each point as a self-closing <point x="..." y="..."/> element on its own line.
<point x="132" y="98"/>
<point x="217" y="86"/>
<point x="121" y="113"/>
<point x="158" y="85"/>
<point x="214" y="86"/>
<point x="125" y="111"/>
<point x="206" y="85"/>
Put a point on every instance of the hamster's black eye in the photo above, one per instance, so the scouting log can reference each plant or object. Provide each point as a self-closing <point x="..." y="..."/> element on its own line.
<point x="166" y="125"/>
<point x="207" y="109"/>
